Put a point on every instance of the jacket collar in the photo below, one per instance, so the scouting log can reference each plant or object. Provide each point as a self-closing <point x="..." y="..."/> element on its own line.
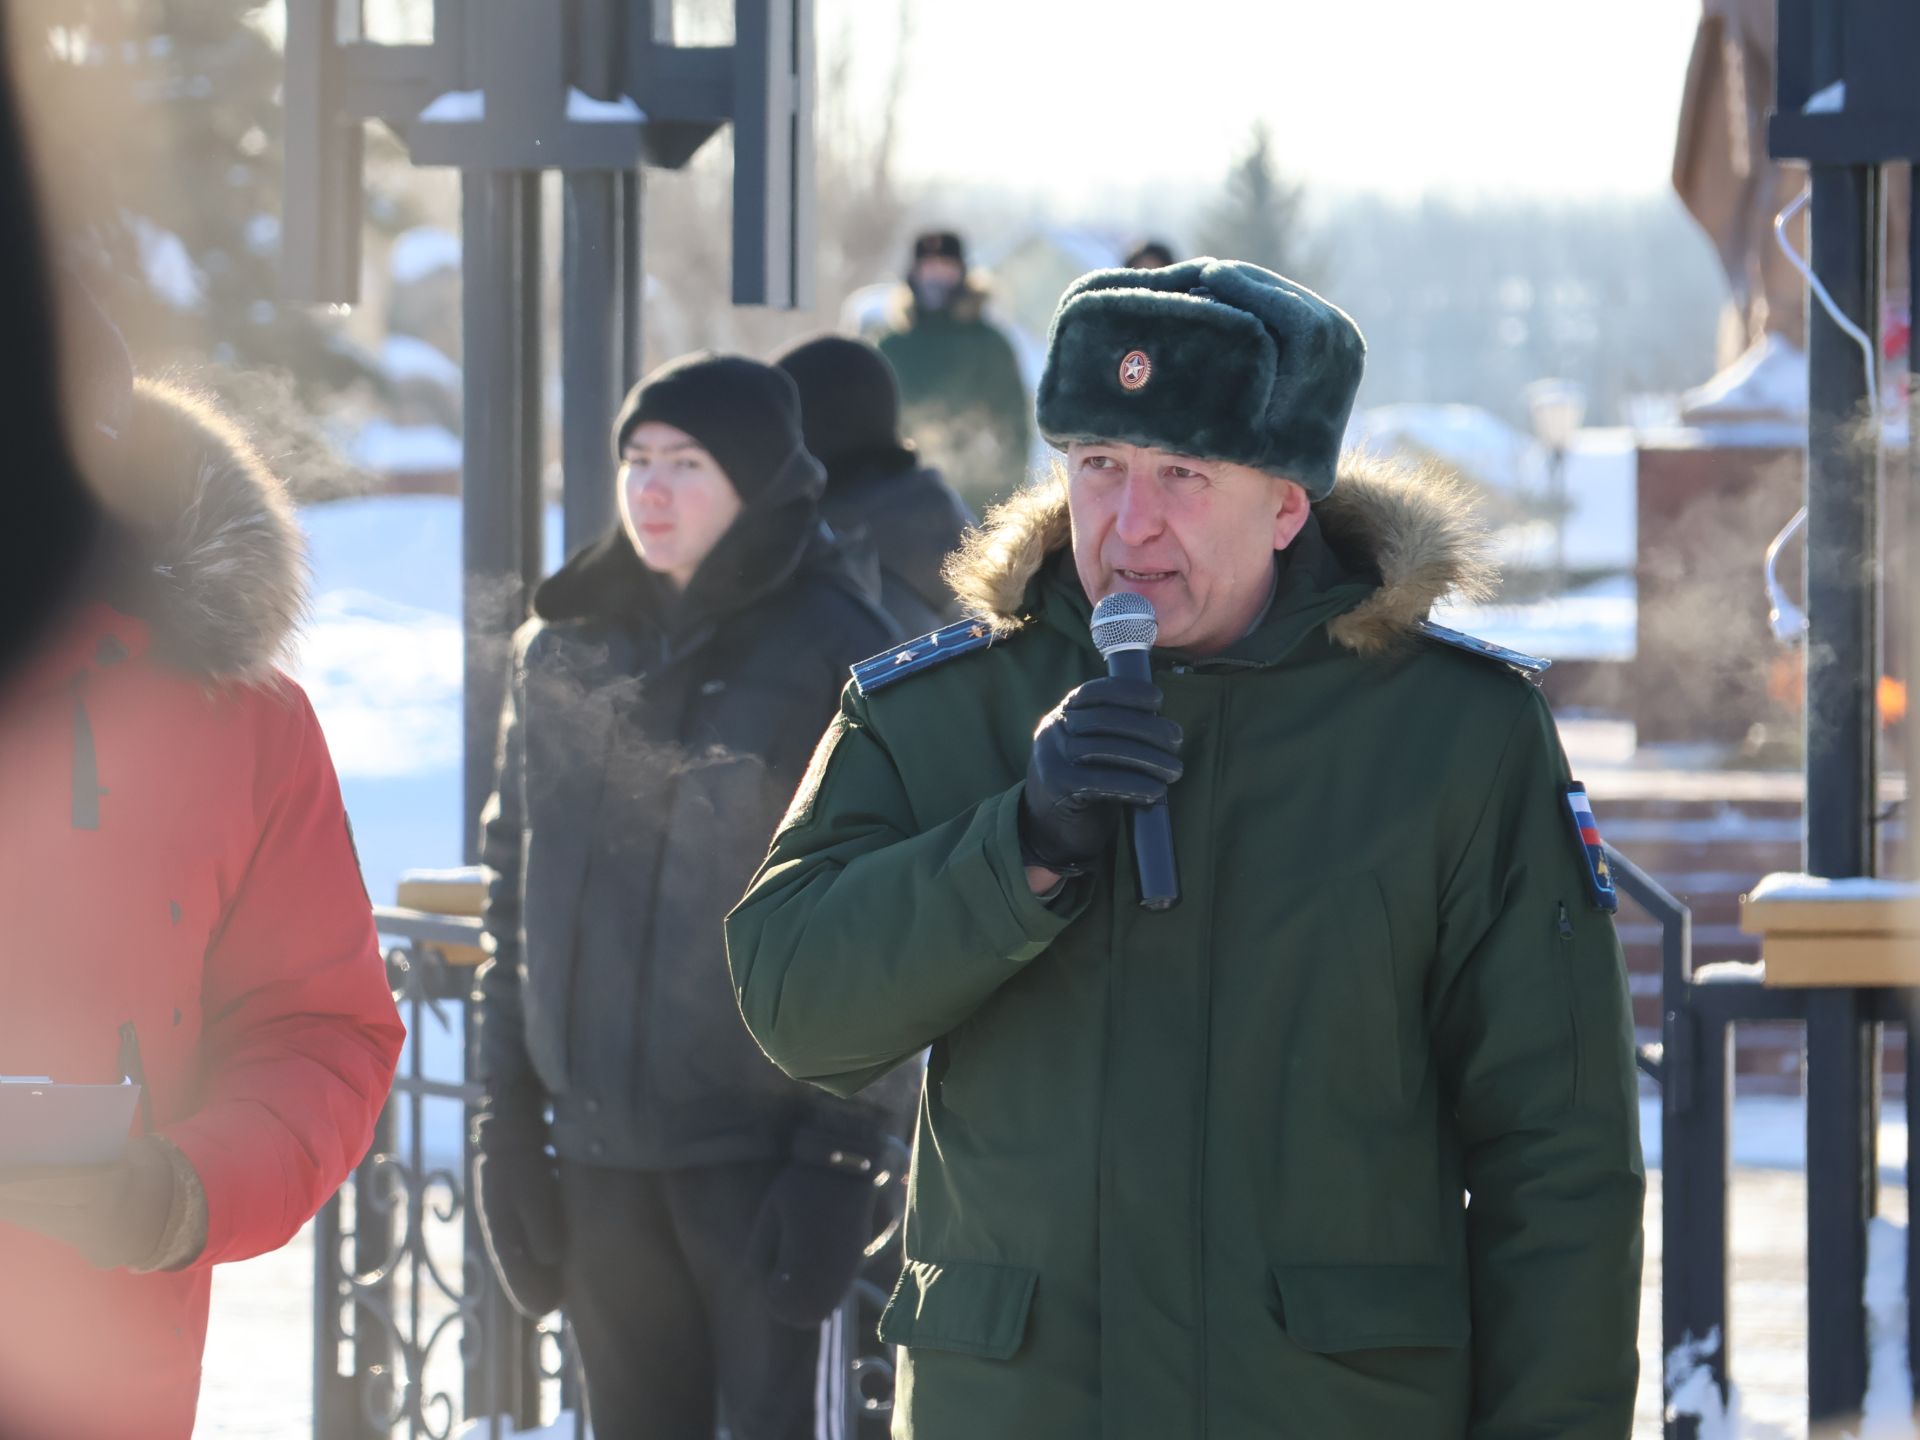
<point x="764" y="549"/>
<point x="1378" y="553"/>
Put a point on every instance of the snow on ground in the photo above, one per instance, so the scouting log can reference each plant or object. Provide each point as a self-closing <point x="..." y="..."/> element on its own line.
<point x="381" y="661"/>
<point x="389" y="449"/>
<point x="422" y="251"/>
<point x="407" y="357"/>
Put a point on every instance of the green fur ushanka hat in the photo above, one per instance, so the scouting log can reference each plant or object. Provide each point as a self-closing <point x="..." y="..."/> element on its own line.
<point x="1217" y="359"/>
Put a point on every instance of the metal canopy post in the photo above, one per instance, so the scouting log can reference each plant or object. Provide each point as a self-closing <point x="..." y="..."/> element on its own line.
<point x="492" y="553"/>
<point x="1842" y="775"/>
<point x="590" y="356"/>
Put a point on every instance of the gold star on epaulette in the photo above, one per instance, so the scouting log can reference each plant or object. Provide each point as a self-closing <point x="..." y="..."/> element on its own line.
<point x="977" y="632"/>
<point x="903" y="658"/>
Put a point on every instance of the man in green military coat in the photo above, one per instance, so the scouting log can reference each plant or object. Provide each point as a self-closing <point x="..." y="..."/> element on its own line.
<point x="1344" y="1143"/>
<point x="962" y="398"/>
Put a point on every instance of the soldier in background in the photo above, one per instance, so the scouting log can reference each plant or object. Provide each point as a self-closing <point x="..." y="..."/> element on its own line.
<point x="967" y="407"/>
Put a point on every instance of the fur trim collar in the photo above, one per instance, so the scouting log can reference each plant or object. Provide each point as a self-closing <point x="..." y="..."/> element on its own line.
<point x="203" y="545"/>
<point x="1414" y="526"/>
<point x="968" y="306"/>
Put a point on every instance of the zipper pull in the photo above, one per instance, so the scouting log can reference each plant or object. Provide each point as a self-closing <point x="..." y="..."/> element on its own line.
<point x="1566" y="922"/>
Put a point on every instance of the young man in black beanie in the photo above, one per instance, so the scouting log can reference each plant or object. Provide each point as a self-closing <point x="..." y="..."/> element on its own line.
<point x="876" y="486"/>
<point x="641" y="1162"/>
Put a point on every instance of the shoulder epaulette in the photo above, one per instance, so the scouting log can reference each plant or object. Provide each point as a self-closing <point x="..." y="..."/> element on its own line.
<point x="1531" y="666"/>
<point x="923" y="654"/>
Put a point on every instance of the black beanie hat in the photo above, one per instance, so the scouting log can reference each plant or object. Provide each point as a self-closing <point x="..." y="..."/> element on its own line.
<point x="744" y="414"/>
<point x="849" y="399"/>
<point x="939" y="245"/>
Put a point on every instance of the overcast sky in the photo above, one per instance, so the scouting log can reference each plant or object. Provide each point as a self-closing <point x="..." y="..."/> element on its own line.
<point x="1395" y="96"/>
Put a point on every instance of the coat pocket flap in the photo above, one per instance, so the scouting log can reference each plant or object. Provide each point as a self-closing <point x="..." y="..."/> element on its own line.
<point x="966" y="1306"/>
<point x="1332" y="1308"/>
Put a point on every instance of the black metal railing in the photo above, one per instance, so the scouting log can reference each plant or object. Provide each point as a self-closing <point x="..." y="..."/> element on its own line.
<point x="1694" y="1066"/>
<point x="412" y="1334"/>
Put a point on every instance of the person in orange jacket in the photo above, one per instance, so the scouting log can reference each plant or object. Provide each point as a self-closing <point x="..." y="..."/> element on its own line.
<point x="180" y="901"/>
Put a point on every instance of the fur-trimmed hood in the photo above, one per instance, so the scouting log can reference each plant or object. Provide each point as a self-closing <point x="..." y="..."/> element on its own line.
<point x="1412" y="526"/>
<point x="201" y="541"/>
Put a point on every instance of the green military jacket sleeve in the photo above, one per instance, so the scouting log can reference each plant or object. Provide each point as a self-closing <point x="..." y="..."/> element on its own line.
<point x="1533" y="1028"/>
<point x="885" y="938"/>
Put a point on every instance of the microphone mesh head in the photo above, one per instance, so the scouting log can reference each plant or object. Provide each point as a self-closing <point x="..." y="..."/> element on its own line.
<point x="1124" y="621"/>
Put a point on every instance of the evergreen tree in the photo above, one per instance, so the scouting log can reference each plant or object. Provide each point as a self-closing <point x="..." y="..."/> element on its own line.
<point x="1260" y="216"/>
<point x="160" y="135"/>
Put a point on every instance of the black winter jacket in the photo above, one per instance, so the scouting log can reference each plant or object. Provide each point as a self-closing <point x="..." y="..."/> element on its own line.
<point x="679" y="726"/>
<point x="913" y="519"/>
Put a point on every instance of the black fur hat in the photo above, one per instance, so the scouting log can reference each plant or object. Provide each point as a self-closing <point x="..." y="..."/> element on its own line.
<point x="1217" y="359"/>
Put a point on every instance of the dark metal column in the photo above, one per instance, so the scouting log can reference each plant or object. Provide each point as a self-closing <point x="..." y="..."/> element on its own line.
<point x="1842" y="774"/>
<point x="633" y="276"/>
<point x="490" y="466"/>
<point x="590" y="352"/>
<point x="530" y="363"/>
<point x="1909" y="600"/>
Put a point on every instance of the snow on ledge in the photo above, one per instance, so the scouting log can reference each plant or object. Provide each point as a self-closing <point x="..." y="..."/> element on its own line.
<point x="451" y="875"/>
<point x="1731" y="972"/>
<point x="456" y="107"/>
<point x="1817" y="887"/>
<point x="584" y="109"/>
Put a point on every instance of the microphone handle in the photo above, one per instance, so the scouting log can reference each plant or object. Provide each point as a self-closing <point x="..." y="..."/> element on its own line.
<point x="1152" y="824"/>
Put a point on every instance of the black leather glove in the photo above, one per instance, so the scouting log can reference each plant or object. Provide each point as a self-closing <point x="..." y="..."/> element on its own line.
<point x="516" y="1190"/>
<point x="114" y="1214"/>
<point x="1106" y="745"/>
<point x="814" y="1229"/>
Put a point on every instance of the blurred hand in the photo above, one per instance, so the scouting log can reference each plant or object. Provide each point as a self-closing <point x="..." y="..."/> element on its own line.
<point x="812" y="1233"/>
<point x="516" y="1192"/>
<point x="114" y="1214"/>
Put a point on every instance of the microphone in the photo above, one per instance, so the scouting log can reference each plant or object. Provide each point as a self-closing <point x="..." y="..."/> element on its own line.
<point x="1124" y="630"/>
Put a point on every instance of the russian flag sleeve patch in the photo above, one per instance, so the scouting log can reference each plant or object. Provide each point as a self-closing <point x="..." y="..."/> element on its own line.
<point x="1593" y="851"/>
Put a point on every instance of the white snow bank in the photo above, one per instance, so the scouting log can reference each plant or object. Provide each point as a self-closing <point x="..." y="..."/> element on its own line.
<point x="407" y="357"/>
<point x="1888" y="1412"/>
<point x="502" y="1428"/>
<point x="1768" y="381"/>
<point x="169" y="269"/>
<point x="1595" y="623"/>
<point x="385" y="680"/>
<point x="1770" y="1133"/>
<point x="1690" y="1383"/>
<point x="382" y="662"/>
<point x="422" y="251"/>
<point x="391" y="449"/>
